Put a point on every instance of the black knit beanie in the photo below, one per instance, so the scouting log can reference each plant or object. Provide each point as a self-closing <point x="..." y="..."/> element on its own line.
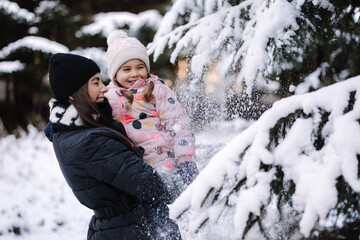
<point x="68" y="72"/>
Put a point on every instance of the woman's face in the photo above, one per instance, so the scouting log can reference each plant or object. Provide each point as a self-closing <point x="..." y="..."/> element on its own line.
<point x="131" y="71"/>
<point x="96" y="88"/>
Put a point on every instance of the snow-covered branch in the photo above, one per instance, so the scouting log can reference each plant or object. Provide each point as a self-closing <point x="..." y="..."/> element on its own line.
<point x="238" y="37"/>
<point x="17" y="13"/>
<point x="9" y="67"/>
<point x="34" y="43"/>
<point x="307" y="142"/>
<point x="104" y="23"/>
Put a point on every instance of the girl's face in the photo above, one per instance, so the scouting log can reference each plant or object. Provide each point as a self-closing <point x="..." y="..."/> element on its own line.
<point x="129" y="72"/>
<point x="96" y="89"/>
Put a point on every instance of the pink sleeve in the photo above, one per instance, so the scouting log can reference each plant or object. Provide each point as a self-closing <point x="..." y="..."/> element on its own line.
<point x="175" y="123"/>
<point x="114" y="102"/>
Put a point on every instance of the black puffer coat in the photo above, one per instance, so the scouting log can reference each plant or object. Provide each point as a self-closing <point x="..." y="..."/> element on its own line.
<point x="103" y="172"/>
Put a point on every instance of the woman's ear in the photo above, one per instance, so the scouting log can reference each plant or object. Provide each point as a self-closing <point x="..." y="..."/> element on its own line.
<point x="71" y="98"/>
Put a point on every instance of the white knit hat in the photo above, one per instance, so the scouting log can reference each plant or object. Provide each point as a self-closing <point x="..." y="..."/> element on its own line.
<point x="121" y="49"/>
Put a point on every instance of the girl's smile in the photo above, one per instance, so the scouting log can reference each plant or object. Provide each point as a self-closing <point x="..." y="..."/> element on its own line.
<point x="130" y="72"/>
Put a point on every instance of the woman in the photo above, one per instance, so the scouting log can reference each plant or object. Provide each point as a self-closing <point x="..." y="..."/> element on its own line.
<point x="102" y="167"/>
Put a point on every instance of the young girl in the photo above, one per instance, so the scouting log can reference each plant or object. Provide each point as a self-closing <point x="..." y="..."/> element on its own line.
<point x="99" y="163"/>
<point x="153" y="117"/>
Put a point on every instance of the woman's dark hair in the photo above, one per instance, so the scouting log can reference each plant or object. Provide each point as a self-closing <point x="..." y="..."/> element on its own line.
<point x="88" y="110"/>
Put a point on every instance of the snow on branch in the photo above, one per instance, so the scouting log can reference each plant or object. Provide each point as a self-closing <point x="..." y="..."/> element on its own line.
<point x="11" y="66"/>
<point x="231" y="35"/>
<point x="17" y="13"/>
<point x="312" y="140"/>
<point x="51" y="7"/>
<point x="311" y="81"/>
<point x="104" y="23"/>
<point x="34" y="43"/>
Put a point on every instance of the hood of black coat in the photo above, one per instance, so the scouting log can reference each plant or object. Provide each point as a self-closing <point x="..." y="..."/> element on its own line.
<point x="64" y="117"/>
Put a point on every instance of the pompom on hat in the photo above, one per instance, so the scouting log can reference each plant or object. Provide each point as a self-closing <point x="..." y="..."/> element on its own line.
<point x="121" y="49"/>
<point x="68" y="72"/>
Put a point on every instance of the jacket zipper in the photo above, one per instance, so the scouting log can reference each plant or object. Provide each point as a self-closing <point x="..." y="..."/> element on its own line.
<point x="121" y="110"/>
<point x="122" y="115"/>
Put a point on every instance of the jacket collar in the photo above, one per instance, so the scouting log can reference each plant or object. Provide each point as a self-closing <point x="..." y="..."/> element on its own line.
<point x="64" y="116"/>
<point x="63" y="113"/>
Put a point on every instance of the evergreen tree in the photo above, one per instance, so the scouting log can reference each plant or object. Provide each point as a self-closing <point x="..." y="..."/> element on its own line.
<point x="290" y="175"/>
<point x="272" y="49"/>
<point x="294" y="173"/>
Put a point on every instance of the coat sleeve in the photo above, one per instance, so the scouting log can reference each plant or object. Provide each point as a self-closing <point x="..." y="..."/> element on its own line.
<point x="175" y="123"/>
<point x="114" y="102"/>
<point x="111" y="162"/>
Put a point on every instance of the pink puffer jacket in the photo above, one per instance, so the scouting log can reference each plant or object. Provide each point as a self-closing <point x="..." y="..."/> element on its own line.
<point x="160" y="127"/>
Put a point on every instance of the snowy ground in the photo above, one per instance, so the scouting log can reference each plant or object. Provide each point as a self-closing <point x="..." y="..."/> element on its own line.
<point x="36" y="201"/>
